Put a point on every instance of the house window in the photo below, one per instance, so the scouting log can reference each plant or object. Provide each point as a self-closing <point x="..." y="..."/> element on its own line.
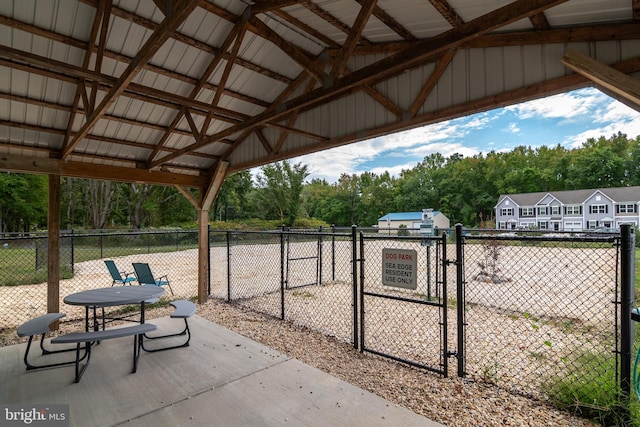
<point x="506" y="211"/>
<point x="526" y="212"/>
<point x="543" y="225"/>
<point x="543" y="210"/>
<point x="555" y="210"/>
<point x="627" y="208"/>
<point x="502" y="225"/>
<point x="573" y="210"/>
<point x="592" y="225"/>
<point x="598" y="209"/>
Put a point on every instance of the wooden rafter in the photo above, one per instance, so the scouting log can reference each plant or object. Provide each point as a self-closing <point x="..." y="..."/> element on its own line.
<point x="602" y="75"/>
<point x="331" y="19"/>
<point x="80" y="87"/>
<point x="390" y="22"/>
<point x="540" y="22"/>
<point x="441" y="66"/>
<point x="211" y="67"/>
<point x="527" y="93"/>
<point x="353" y="37"/>
<point x="181" y="11"/>
<point x="413" y="56"/>
<point x="447" y="12"/>
<point x="306" y="28"/>
<point x="302" y="58"/>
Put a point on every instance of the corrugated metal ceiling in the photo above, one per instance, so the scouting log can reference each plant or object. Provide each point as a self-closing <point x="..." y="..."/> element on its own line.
<point x="176" y="93"/>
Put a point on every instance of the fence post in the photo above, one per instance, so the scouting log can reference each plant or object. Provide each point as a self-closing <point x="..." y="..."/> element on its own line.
<point x="319" y="259"/>
<point x="228" y="266"/>
<point x="208" y="259"/>
<point x="333" y="252"/>
<point x="354" y="281"/>
<point x="460" y="292"/>
<point x="73" y="253"/>
<point x="282" y="279"/>
<point x="627" y="279"/>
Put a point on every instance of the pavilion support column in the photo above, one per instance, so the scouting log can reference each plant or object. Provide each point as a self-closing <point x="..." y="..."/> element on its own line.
<point x="203" y="204"/>
<point x="53" y="246"/>
<point x="203" y="255"/>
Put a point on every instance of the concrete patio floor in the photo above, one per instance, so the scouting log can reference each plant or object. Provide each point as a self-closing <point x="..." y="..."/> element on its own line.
<point x="221" y="379"/>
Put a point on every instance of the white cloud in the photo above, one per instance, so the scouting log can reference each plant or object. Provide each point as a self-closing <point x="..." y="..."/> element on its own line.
<point x="568" y="110"/>
<point x="512" y="128"/>
<point x="563" y="106"/>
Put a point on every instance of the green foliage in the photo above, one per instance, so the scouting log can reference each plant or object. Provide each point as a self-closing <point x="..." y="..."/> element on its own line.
<point x="465" y="189"/>
<point x="23" y="202"/>
<point x="280" y="189"/>
<point x="402" y="230"/>
<point x="592" y="392"/>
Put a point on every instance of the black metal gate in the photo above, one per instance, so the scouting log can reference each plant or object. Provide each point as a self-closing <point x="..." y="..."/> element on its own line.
<point x="303" y="262"/>
<point x="403" y="299"/>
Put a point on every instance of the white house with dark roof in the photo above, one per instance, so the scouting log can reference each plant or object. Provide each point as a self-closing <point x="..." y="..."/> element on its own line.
<point x="573" y="210"/>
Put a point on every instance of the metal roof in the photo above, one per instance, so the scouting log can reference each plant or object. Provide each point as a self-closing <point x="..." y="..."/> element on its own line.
<point x="405" y="216"/>
<point x="183" y="92"/>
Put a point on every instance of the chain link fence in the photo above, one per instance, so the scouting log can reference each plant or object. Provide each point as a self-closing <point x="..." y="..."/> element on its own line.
<point x="523" y="311"/>
<point x="23" y="267"/>
<point x="541" y="309"/>
<point x="403" y="313"/>
<point x="302" y="277"/>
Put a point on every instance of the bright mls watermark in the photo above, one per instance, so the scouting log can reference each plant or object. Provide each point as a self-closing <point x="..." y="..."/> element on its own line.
<point x="34" y="415"/>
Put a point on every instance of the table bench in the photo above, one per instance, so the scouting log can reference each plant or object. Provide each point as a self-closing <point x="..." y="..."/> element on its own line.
<point x="137" y="331"/>
<point x="40" y="326"/>
<point x="184" y="309"/>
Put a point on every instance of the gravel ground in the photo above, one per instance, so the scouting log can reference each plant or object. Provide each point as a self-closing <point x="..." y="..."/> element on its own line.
<point x="450" y="401"/>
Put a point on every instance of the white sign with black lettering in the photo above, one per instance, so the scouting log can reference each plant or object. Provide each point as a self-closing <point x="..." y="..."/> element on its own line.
<point x="399" y="268"/>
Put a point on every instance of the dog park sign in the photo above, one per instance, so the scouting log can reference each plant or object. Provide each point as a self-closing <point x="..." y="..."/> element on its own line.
<point x="399" y="267"/>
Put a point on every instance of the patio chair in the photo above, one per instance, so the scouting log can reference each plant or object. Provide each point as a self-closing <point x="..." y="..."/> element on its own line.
<point x="145" y="277"/>
<point x="116" y="274"/>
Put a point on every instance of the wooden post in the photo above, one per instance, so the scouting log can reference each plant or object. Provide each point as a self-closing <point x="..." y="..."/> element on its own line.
<point x="53" y="246"/>
<point x="203" y="255"/>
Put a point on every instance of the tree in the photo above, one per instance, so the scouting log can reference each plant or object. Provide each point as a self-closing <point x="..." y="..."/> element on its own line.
<point x="232" y="201"/>
<point x="281" y="187"/>
<point x="23" y="202"/>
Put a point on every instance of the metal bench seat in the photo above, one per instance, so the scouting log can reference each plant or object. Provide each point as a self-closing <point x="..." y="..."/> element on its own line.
<point x="94" y="336"/>
<point x="40" y="326"/>
<point x="184" y="309"/>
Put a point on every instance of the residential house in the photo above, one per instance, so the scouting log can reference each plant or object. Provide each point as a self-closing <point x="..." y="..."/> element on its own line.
<point x="574" y="210"/>
<point x="412" y="220"/>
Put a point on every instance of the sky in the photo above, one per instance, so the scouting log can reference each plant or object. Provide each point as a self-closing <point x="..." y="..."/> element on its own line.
<point x="568" y="119"/>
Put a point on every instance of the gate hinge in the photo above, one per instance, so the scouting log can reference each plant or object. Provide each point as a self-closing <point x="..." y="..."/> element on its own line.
<point x="451" y="261"/>
<point x="452" y="353"/>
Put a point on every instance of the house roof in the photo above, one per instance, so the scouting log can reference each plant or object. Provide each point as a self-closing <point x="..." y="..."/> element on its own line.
<point x="184" y="92"/>
<point x="404" y="216"/>
<point x="576" y="197"/>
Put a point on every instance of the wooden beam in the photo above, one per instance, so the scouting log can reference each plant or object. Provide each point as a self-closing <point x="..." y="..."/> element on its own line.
<point x="53" y="246"/>
<point x="414" y="55"/>
<point x="353" y="37"/>
<point x="447" y="12"/>
<point x="182" y="10"/>
<point x="298" y="55"/>
<point x="602" y="75"/>
<point x="213" y="64"/>
<point x="526" y="93"/>
<point x="189" y="196"/>
<point x="203" y="255"/>
<point x="270" y="5"/>
<point x="44" y="165"/>
<point x="431" y="81"/>
<point x="211" y="192"/>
